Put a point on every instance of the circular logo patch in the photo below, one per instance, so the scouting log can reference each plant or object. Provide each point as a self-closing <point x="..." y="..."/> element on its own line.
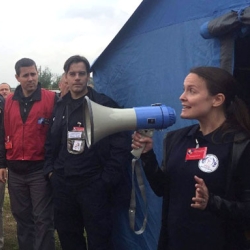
<point x="208" y="164"/>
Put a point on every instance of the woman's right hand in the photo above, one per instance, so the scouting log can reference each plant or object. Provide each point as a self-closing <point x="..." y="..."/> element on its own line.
<point x="139" y="141"/>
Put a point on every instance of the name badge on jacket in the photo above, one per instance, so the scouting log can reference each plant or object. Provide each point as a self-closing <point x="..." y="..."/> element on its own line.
<point x="196" y="153"/>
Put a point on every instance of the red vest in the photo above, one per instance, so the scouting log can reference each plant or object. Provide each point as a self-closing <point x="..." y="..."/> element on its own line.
<point x="27" y="138"/>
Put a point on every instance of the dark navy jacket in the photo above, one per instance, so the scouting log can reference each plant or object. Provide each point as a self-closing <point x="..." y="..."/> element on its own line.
<point x="227" y="216"/>
<point x="107" y="159"/>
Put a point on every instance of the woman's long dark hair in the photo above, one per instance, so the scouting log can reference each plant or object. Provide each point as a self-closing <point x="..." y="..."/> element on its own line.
<point x="220" y="81"/>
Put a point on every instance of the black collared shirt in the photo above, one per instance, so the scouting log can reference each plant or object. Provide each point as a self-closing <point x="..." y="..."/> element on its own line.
<point x="26" y="103"/>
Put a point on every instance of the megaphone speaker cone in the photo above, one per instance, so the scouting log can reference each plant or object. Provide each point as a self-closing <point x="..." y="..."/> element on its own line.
<point x="101" y="121"/>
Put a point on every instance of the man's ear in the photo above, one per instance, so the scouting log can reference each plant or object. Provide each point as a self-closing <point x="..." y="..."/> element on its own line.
<point x="219" y="99"/>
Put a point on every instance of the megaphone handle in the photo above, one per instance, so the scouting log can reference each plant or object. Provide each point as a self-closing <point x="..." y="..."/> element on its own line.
<point x="144" y="132"/>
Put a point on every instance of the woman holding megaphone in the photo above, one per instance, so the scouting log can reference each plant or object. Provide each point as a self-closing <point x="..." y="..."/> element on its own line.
<point x="205" y="176"/>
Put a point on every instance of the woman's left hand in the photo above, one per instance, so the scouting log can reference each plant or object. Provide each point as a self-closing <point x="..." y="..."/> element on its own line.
<point x="201" y="194"/>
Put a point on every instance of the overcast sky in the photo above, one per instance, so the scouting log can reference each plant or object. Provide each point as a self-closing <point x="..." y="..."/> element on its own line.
<point x="50" y="31"/>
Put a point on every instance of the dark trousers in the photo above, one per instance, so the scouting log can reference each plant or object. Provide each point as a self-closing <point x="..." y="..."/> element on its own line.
<point x="31" y="206"/>
<point x="78" y="208"/>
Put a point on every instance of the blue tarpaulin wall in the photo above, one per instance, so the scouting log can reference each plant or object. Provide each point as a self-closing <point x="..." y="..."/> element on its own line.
<point x="146" y="63"/>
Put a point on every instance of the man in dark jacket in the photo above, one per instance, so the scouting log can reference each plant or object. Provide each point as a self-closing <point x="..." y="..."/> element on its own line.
<point x="83" y="178"/>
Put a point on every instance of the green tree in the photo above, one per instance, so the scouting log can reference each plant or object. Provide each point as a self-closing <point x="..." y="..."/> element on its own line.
<point x="55" y="81"/>
<point x="47" y="79"/>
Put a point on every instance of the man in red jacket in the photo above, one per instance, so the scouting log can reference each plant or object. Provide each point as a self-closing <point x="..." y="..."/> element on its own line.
<point x="26" y="121"/>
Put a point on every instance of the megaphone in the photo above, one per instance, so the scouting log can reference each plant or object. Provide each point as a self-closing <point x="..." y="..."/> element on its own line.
<point x="101" y="121"/>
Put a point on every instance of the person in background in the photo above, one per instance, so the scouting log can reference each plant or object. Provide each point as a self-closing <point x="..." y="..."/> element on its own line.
<point x="91" y="83"/>
<point x="83" y="179"/>
<point x="5" y="89"/>
<point x="27" y="115"/>
<point x="205" y="179"/>
<point x="3" y="178"/>
<point x="63" y="86"/>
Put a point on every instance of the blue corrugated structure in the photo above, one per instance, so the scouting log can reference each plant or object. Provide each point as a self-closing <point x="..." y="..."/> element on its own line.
<point x="146" y="63"/>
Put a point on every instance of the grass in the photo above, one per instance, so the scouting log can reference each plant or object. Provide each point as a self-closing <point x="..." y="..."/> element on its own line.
<point x="10" y="238"/>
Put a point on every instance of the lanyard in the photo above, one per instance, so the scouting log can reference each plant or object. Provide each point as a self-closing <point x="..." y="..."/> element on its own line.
<point x="136" y="172"/>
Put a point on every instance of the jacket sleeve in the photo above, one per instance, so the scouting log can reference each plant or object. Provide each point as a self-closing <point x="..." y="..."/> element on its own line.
<point x="237" y="207"/>
<point x="49" y="152"/>
<point x="114" y="152"/>
<point x="48" y="164"/>
<point x="3" y="163"/>
<point x="156" y="177"/>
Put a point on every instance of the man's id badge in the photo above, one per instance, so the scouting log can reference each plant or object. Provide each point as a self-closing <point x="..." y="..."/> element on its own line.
<point x="8" y="143"/>
<point x="196" y="153"/>
<point x="76" y="140"/>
